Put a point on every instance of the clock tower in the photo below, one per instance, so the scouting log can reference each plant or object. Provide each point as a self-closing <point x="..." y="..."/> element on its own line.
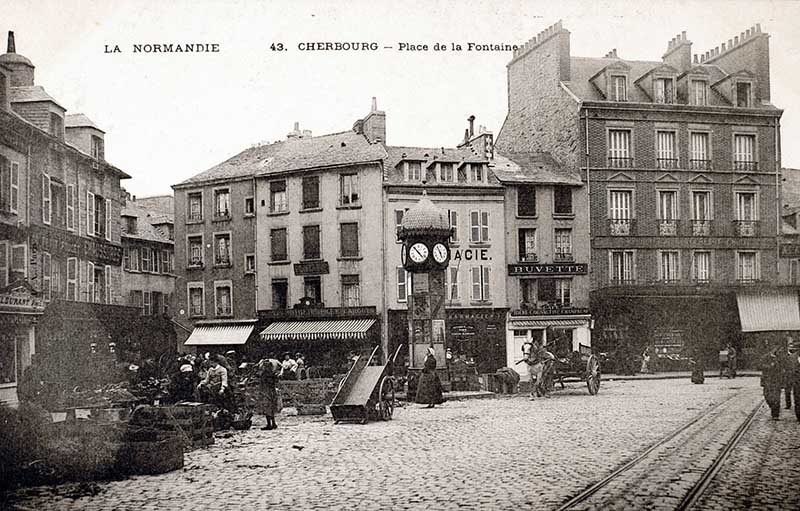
<point x="425" y="253"/>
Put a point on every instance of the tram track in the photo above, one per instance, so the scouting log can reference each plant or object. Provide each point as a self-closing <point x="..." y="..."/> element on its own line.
<point x="652" y="454"/>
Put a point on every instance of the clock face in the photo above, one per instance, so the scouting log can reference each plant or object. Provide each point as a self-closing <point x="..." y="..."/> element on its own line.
<point x="418" y="252"/>
<point x="439" y="253"/>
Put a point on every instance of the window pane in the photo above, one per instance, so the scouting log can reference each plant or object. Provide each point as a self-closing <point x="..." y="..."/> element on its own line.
<point x="349" y="240"/>
<point x="311" y="245"/>
<point x="278" y="244"/>
<point x="310" y="192"/>
<point x="526" y="201"/>
<point x="563" y="200"/>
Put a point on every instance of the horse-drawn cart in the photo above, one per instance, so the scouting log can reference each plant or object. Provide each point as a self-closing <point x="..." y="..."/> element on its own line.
<point x="580" y="365"/>
<point x="366" y="392"/>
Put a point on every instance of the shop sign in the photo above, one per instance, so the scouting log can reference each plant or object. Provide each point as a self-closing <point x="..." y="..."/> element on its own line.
<point x="57" y="242"/>
<point x="20" y="299"/>
<point x="789" y="251"/>
<point x="471" y="254"/>
<point x="551" y="311"/>
<point x="311" y="268"/>
<point x="515" y="270"/>
<point x="323" y="313"/>
<point x="462" y="330"/>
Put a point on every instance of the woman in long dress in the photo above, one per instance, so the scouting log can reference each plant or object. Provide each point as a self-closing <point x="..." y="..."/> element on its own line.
<point x="269" y="371"/>
<point x="429" y="388"/>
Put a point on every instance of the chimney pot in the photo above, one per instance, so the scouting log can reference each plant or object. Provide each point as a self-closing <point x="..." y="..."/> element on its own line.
<point x="694" y="61"/>
<point x="747" y="33"/>
<point x="296" y="126"/>
<point x="11" y="46"/>
<point x="683" y="35"/>
<point x="723" y="47"/>
<point x="374" y="104"/>
<point x="471" y="120"/>
<point x="758" y="27"/>
<point x="735" y="40"/>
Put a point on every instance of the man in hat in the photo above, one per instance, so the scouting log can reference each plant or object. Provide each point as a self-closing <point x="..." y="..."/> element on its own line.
<point x="772" y="380"/>
<point x="288" y="367"/>
<point x="214" y="387"/>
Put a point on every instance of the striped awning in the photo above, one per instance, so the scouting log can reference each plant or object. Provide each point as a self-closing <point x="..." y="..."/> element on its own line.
<point x="309" y="330"/>
<point x="207" y="335"/>
<point x="768" y="310"/>
<point x="544" y="323"/>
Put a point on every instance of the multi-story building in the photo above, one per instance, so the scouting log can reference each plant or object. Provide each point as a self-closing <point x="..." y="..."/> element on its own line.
<point x="59" y="242"/>
<point x="460" y="181"/>
<point x="148" y="252"/>
<point x="680" y="156"/>
<point x="304" y="212"/>
<point x="547" y="247"/>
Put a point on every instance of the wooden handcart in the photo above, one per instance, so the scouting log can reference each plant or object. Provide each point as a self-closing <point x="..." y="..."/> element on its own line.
<point x="366" y="392"/>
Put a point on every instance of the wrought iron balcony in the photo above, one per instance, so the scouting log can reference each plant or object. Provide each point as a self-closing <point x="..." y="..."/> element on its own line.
<point x="562" y="257"/>
<point x="695" y="164"/>
<point x="195" y="217"/>
<point x="620" y="227"/>
<point x="667" y="163"/>
<point x="667" y="227"/>
<point x="746" y="228"/>
<point x="745" y="165"/>
<point x="701" y="227"/>
<point x="618" y="162"/>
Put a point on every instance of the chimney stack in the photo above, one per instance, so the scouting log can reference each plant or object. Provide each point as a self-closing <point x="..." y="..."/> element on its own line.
<point x="471" y="120"/>
<point x="373" y="125"/>
<point x="12" y="48"/>
<point x="374" y="104"/>
<point x="679" y="53"/>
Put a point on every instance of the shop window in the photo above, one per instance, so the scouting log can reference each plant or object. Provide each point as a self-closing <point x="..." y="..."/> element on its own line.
<point x="312" y="288"/>
<point x="351" y="291"/>
<point x="311" y="192"/>
<point x="280" y="294"/>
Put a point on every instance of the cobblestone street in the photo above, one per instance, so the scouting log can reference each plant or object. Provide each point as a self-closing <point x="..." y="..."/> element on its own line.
<point x="487" y="454"/>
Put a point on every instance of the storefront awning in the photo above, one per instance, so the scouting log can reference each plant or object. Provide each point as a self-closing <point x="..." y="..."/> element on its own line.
<point x="308" y="330"/>
<point x="206" y="335"/>
<point x="544" y="323"/>
<point x="768" y="310"/>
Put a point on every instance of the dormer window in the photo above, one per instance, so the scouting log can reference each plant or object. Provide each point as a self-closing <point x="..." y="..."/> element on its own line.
<point x="98" y="151"/>
<point x="663" y="90"/>
<point x="130" y="224"/>
<point x="698" y="92"/>
<point x="744" y="96"/>
<point x="446" y="172"/>
<point x="619" y="88"/>
<point x="476" y="172"/>
<point x="413" y="171"/>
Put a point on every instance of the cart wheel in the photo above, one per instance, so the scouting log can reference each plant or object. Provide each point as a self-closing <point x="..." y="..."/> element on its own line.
<point x="386" y="403"/>
<point x="593" y="375"/>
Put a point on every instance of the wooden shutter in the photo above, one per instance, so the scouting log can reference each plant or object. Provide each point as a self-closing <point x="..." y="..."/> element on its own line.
<point x="90" y="213"/>
<point x="108" y="219"/>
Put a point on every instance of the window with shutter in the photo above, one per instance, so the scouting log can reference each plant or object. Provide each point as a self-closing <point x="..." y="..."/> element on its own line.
<point x="107" y="274"/>
<point x="311" y="244"/>
<point x="71" y="207"/>
<point x="72" y="279"/>
<point x="108" y="219"/>
<point x="90" y="213"/>
<point x="349" y="240"/>
<point x="5" y="179"/>
<point x="277" y="197"/>
<point x="526" y="200"/>
<point x="14" y="185"/>
<point x="278" y="245"/>
<point x="402" y="284"/>
<point x="19" y="262"/>
<point x="90" y="282"/>
<point x="453" y="215"/>
<point x="3" y="264"/>
<point x="47" y="201"/>
<point x="311" y="192"/>
<point x="46" y="276"/>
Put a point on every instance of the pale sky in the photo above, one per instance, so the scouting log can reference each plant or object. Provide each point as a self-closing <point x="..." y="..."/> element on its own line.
<point x="170" y="116"/>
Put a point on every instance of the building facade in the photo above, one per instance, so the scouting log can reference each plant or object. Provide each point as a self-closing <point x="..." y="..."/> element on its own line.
<point x="148" y="253"/>
<point x="681" y="160"/>
<point x="59" y="240"/>
<point x="458" y="180"/>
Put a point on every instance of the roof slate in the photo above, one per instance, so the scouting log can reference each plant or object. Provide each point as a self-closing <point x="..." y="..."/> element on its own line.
<point x="30" y="95"/>
<point x="79" y="121"/>
<point x="145" y="225"/>
<point x="428" y="156"/>
<point x="336" y="149"/>
<point x="539" y="168"/>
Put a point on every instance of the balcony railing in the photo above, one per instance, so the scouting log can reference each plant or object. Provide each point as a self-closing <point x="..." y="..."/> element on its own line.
<point x="530" y="257"/>
<point x="222" y="215"/>
<point x="562" y="257"/>
<point x="196" y="262"/>
<point x="746" y="280"/>
<point x="224" y="310"/>
<point x="700" y="164"/>
<point x="667" y="227"/>
<point x="746" y="228"/>
<point x="701" y="227"/>
<point x="195" y="217"/>
<point x="667" y="163"/>
<point x="222" y="260"/>
<point x="620" y="227"/>
<point x="622" y="282"/>
<point x="744" y="165"/>
<point x="619" y="162"/>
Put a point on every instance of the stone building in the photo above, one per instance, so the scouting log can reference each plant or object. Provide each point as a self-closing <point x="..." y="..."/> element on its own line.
<point x="460" y="181"/>
<point x="681" y="159"/>
<point x="60" y="253"/>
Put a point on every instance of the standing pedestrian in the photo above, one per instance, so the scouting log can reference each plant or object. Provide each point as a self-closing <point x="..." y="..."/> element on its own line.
<point x="771" y="380"/>
<point x="795" y="371"/>
<point x="645" y="361"/>
<point x="429" y="388"/>
<point x="269" y="371"/>
<point x="788" y="372"/>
